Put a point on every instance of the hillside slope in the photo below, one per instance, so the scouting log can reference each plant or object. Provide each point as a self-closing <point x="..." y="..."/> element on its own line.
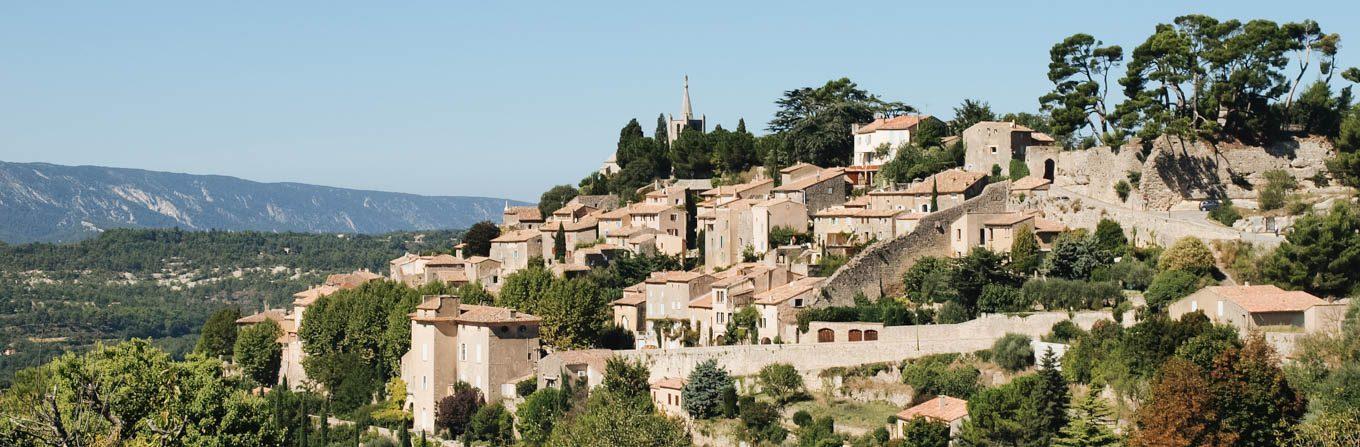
<point x="46" y="202"/>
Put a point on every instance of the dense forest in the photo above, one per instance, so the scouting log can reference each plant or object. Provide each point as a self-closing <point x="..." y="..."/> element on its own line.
<point x="163" y="284"/>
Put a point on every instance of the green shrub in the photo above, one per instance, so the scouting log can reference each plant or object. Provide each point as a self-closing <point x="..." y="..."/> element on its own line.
<point x="1189" y="254"/>
<point x="1013" y="352"/>
<point x="1169" y="286"/>
<point x="936" y="375"/>
<point x="1058" y="293"/>
<point x="1122" y="188"/>
<point x="526" y="387"/>
<point x="1019" y="169"/>
<point x="1131" y="274"/>
<point x="1064" y="331"/>
<point x="802" y="418"/>
<point x="1135" y="177"/>
<point x="1226" y="213"/>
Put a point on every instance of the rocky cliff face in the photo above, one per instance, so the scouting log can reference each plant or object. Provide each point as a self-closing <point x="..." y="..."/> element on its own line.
<point x="45" y="202"/>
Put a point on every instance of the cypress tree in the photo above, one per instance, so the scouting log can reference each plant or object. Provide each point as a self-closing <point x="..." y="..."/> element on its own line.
<point x="560" y="243"/>
<point x="404" y="436"/>
<point x="1051" y="400"/>
<point x="324" y="431"/>
<point x="935" y="195"/>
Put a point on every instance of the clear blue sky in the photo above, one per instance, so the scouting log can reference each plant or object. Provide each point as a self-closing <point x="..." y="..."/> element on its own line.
<point x="501" y="98"/>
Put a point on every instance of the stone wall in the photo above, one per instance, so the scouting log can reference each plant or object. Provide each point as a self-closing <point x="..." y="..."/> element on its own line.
<point x="895" y="344"/>
<point x="882" y="264"/>
<point x="1141" y="226"/>
<point x="1176" y="170"/>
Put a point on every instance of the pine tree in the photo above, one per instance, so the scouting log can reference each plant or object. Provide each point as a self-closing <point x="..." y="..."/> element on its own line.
<point x="1090" y="425"/>
<point x="1051" y="399"/>
<point x="560" y="244"/>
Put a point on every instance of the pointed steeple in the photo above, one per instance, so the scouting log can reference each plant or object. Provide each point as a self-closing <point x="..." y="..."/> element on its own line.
<point x="686" y="112"/>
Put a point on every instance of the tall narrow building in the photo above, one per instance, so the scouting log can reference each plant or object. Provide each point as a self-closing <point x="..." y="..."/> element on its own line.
<point x="686" y="121"/>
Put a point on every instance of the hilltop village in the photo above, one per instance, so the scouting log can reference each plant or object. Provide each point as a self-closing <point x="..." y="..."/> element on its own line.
<point x="776" y="269"/>
<point x="1175" y="267"/>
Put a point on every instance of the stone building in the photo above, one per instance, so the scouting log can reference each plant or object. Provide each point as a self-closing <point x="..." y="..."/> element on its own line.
<point x="950" y="411"/>
<point x="667" y="396"/>
<point x="891" y="132"/>
<point x="779" y="308"/>
<point x="948" y="189"/>
<point x="1261" y="306"/>
<point x="521" y="218"/>
<point x="839" y="229"/>
<point x="485" y="347"/>
<point x="776" y="213"/>
<point x="996" y="143"/>
<point x="819" y="189"/>
<point x="513" y="250"/>
<point x="687" y="120"/>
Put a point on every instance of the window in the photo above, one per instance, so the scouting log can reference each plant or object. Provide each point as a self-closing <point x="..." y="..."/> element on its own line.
<point x="479" y="353"/>
<point x="1220" y="308"/>
<point x="424" y="382"/>
<point x="993" y="148"/>
<point x="462" y="355"/>
<point x="798" y="302"/>
<point x="958" y="234"/>
<point x="425" y="352"/>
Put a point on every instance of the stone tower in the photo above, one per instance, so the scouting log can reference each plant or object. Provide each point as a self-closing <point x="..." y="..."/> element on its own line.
<point x="675" y="126"/>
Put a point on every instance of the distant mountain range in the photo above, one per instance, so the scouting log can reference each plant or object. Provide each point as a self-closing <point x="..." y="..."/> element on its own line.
<point x="54" y="203"/>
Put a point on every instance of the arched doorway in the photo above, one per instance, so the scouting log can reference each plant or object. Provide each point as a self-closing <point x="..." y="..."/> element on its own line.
<point x="765" y="340"/>
<point x="870" y="335"/>
<point x="856" y="335"/>
<point x="826" y="335"/>
<point x="1048" y="169"/>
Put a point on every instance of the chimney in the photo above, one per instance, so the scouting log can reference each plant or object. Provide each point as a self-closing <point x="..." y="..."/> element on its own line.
<point x="941" y="401"/>
<point x="514" y="313"/>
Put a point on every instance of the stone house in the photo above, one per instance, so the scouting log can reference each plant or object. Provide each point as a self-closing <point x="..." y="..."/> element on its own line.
<point x="778" y="212"/>
<point x="483" y="346"/>
<point x="671" y="195"/>
<point x="668" y="297"/>
<point x="820" y="190"/>
<point x="948" y="410"/>
<point x="581" y="231"/>
<point x="666" y="395"/>
<point x="996" y="143"/>
<point x="584" y="365"/>
<point x="483" y="270"/>
<point x="892" y="132"/>
<point x="572" y="212"/>
<point x="949" y="188"/>
<point x="668" y="223"/>
<point x="1254" y="307"/>
<point x="521" y="218"/>
<point x="1030" y="188"/>
<point x="514" y="249"/>
<point x="996" y="231"/>
<point x="797" y="172"/>
<point x="843" y="228"/>
<point x="736" y="288"/>
<point x="602" y="202"/>
<point x="729" y="234"/>
<point x="779" y="306"/>
<point x="754" y="189"/>
<point x="629" y="311"/>
<point x="906" y="222"/>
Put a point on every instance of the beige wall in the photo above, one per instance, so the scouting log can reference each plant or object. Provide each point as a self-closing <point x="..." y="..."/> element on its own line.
<point x="731" y="234"/>
<point x="783" y="214"/>
<point x="428" y="370"/>
<point x="866" y="145"/>
<point x="514" y="256"/>
<point x="668" y="402"/>
<point x="996" y="143"/>
<point x="829" y="230"/>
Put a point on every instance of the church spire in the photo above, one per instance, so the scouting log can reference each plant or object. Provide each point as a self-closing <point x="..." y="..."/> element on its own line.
<point x="686" y="112"/>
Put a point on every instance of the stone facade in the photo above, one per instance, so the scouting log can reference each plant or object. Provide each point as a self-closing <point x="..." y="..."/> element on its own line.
<point x="883" y="263"/>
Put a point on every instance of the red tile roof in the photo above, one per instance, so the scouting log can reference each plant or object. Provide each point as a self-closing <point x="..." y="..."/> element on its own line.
<point x="1266" y="298"/>
<point x="904" y="122"/>
<point x="942" y="408"/>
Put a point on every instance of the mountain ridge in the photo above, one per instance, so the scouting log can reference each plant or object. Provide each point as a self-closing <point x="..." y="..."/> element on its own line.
<point x="45" y="202"/>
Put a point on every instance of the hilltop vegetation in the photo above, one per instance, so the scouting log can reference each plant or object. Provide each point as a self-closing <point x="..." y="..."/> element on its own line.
<point x="163" y="284"/>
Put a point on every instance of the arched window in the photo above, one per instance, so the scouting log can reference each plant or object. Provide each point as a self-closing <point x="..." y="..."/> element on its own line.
<point x="856" y="335"/>
<point x="870" y="335"/>
<point x="826" y="335"/>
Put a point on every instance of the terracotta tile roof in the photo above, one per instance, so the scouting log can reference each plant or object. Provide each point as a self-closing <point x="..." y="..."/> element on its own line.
<point x="812" y="180"/>
<point x="627" y="232"/>
<point x="671" y="383"/>
<point x="857" y="202"/>
<point x="472" y="313"/>
<point x="595" y="358"/>
<point x="1266" y="298"/>
<point x="703" y="302"/>
<point x="1006" y="219"/>
<point x="352" y="279"/>
<point x="648" y="208"/>
<point x="796" y="166"/>
<point x="1030" y="183"/>
<point x="672" y="276"/>
<point x="525" y="213"/>
<point x="950" y="182"/>
<point x="857" y="212"/>
<point x="942" y="408"/>
<point x="863" y="168"/>
<point x="911" y="215"/>
<point x="904" y="122"/>
<point x="404" y="259"/>
<point x="1041" y="137"/>
<point x="774" y="201"/>
<point x="443" y="260"/>
<point x="480" y="259"/>
<point x="728" y="190"/>
<point x="571" y="208"/>
<point x="785" y="292"/>
<point x="309" y="296"/>
<point x="633" y="300"/>
<point x="585" y="224"/>
<point x="641" y="238"/>
<point x="949" y="139"/>
<point x="518" y="236"/>
<point x="1042" y="225"/>
<point x="275" y="315"/>
<point x="599" y="202"/>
